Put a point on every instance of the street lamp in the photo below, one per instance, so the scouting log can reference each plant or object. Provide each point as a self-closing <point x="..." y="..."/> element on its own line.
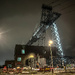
<point x="50" y="43"/>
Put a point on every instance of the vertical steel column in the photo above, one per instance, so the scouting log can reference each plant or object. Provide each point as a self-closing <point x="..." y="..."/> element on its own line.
<point x="56" y="38"/>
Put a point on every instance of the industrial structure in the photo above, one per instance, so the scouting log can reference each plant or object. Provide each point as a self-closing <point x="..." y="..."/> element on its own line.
<point x="48" y="18"/>
<point x="25" y="55"/>
<point x="29" y="55"/>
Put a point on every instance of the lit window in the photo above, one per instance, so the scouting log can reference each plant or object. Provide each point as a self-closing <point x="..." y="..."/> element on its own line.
<point x="9" y="65"/>
<point x="23" y="51"/>
<point x="19" y="59"/>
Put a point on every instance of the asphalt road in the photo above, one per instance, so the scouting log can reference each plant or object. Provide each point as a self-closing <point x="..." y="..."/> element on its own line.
<point x="47" y="73"/>
<point x="43" y="74"/>
<point x="65" y="74"/>
<point x="40" y="73"/>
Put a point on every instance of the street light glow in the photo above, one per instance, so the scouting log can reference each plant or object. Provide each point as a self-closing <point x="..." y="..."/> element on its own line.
<point x="50" y="42"/>
<point x="31" y="56"/>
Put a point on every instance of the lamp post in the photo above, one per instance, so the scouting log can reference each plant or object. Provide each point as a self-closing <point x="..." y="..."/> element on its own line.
<point x="50" y="43"/>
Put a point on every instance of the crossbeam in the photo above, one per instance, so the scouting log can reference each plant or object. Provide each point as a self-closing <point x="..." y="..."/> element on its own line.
<point x="47" y="19"/>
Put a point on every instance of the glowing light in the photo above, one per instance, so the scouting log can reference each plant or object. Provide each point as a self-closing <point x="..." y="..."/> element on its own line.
<point x="31" y="56"/>
<point x="9" y="65"/>
<point x="3" y="32"/>
<point x="19" y="59"/>
<point x="23" y="51"/>
<point x="51" y="42"/>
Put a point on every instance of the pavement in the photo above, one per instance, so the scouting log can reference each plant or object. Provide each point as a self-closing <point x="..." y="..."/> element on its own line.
<point x="39" y="73"/>
<point x="65" y="74"/>
<point x="46" y="73"/>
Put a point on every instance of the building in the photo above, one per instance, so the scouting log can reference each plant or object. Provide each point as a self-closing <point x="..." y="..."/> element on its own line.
<point x="29" y="55"/>
<point x="10" y="63"/>
<point x="34" y="56"/>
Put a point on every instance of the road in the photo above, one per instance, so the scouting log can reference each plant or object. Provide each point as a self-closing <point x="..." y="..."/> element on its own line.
<point x="65" y="74"/>
<point x="46" y="73"/>
<point x="39" y="73"/>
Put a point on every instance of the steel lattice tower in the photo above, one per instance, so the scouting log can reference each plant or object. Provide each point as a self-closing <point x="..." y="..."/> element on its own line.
<point x="48" y="17"/>
<point x="56" y="38"/>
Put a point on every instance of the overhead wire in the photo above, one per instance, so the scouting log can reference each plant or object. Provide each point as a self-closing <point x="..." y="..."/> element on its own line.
<point x="67" y="7"/>
<point x="53" y="2"/>
<point x="68" y="12"/>
<point x="73" y="4"/>
<point x="60" y="3"/>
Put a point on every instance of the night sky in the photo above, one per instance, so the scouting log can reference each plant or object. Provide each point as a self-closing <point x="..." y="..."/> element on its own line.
<point x="18" y="19"/>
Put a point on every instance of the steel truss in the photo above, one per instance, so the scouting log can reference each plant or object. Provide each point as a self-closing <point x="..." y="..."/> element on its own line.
<point x="48" y="17"/>
<point x="56" y="39"/>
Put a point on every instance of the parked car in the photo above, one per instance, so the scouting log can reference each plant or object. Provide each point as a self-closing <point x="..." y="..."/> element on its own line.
<point x="10" y="70"/>
<point x="19" y="70"/>
<point x="4" y="70"/>
<point x="25" y="71"/>
<point x="46" y="68"/>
